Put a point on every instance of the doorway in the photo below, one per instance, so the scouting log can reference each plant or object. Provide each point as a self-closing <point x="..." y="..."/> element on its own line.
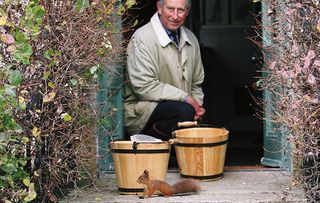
<point x="222" y="27"/>
<point x="228" y="58"/>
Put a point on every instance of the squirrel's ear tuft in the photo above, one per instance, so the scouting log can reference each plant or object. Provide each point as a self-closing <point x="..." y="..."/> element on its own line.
<point x="146" y="172"/>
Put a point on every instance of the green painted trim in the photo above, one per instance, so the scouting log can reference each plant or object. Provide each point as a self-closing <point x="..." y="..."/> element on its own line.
<point x="270" y="162"/>
<point x="277" y="151"/>
<point x="110" y="108"/>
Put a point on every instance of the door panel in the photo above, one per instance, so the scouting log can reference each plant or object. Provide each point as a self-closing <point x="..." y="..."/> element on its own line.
<point x="230" y="71"/>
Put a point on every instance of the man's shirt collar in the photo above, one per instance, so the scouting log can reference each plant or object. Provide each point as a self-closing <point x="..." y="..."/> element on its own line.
<point x="162" y="33"/>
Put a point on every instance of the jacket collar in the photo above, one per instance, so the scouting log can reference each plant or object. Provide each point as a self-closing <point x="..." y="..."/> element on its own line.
<point x="161" y="33"/>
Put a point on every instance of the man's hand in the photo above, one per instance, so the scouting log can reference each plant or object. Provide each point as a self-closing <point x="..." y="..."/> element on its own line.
<point x="198" y="117"/>
<point x="200" y="111"/>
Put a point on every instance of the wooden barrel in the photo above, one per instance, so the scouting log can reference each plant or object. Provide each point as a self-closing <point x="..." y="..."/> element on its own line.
<point x="131" y="159"/>
<point x="201" y="152"/>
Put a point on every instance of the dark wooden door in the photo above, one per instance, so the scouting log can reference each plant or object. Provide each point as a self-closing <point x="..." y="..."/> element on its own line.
<point x="222" y="27"/>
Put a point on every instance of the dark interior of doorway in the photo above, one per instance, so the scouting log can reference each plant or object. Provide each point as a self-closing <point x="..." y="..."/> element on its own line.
<point x="245" y="147"/>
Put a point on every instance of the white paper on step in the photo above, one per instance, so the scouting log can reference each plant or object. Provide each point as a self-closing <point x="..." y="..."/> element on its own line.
<point x="143" y="138"/>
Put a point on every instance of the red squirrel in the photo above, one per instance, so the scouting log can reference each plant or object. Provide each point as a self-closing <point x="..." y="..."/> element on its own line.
<point x="151" y="186"/>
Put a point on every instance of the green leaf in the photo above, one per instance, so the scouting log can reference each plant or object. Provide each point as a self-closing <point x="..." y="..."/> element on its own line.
<point x="258" y="83"/>
<point x="23" y="162"/>
<point x="31" y="193"/>
<point x="82" y="4"/>
<point x="26" y="182"/>
<point x="35" y="132"/>
<point x="51" y="84"/>
<point x="107" y="24"/>
<point x="10" y="90"/>
<point x="66" y="117"/>
<point x="38" y="11"/>
<point x="8" y="168"/>
<point x="93" y="69"/>
<point x="4" y="138"/>
<point x="8" y="122"/>
<point x="23" y="53"/>
<point x="10" y="180"/>
<point x="25" y="61"/>
<point x="17" y="128"/>
<point x="20" y="37"/>
<point x="49" y="97"/>
<point x="135" y="22"/>
<point x="105" y="123"/>
<point x="47" y="54"/>
<point x="24" y="140"/>
<point x="31" y="196"/>
<point x="114" y="110"/>
<point x="130" y="3"/>
<point x="26" y="49"/>
<point x="46" y="75"/>
<point x="15" y="77"/>
<point x="2" y="148"/>
<point x="121" y="10"/>
<point x="22" y="103"/>
<point x="74" y="82"/>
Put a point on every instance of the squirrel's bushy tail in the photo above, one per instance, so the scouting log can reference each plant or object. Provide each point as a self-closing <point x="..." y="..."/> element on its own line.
<point x="186" y="186"/>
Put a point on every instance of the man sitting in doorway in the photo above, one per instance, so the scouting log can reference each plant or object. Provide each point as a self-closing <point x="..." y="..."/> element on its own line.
<point x="164" y="72"/>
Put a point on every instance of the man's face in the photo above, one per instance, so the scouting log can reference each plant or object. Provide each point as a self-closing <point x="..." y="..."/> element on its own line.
<point x="173" y="13"/>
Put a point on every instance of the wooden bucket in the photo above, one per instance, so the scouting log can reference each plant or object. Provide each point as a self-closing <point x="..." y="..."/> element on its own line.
<point x="131" y="159"/>
<point x="201" y="152"/>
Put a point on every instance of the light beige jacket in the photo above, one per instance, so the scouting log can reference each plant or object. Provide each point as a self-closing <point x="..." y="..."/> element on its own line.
<point x="157" y="70"/>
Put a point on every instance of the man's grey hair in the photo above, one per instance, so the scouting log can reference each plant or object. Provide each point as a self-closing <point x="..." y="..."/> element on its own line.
<point x="187" y="1"/>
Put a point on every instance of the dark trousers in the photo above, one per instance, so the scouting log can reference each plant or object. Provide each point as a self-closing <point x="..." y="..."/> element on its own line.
<point x="165" y="117"/>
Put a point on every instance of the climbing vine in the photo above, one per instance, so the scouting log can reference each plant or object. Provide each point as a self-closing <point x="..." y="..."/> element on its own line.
<point x="291" y="77"/>
<point x="51" y="56"/>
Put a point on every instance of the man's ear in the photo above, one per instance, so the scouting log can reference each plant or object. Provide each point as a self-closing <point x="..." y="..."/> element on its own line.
<point x="159" y="7"/>
<point x="188" y="10"/>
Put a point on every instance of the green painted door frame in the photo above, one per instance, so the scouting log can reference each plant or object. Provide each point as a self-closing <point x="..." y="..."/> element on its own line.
<point x="110" y="107"/>
<point x="109" y="101"/>
<point x="276" y="151"/>
<point x="276" y="146"/>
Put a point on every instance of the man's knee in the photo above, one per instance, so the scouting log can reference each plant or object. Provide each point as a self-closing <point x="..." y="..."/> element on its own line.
<point x="186" y="112"/>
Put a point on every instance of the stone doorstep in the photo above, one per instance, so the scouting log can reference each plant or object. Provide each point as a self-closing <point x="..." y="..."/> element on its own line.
<point x="242" y="185"/>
